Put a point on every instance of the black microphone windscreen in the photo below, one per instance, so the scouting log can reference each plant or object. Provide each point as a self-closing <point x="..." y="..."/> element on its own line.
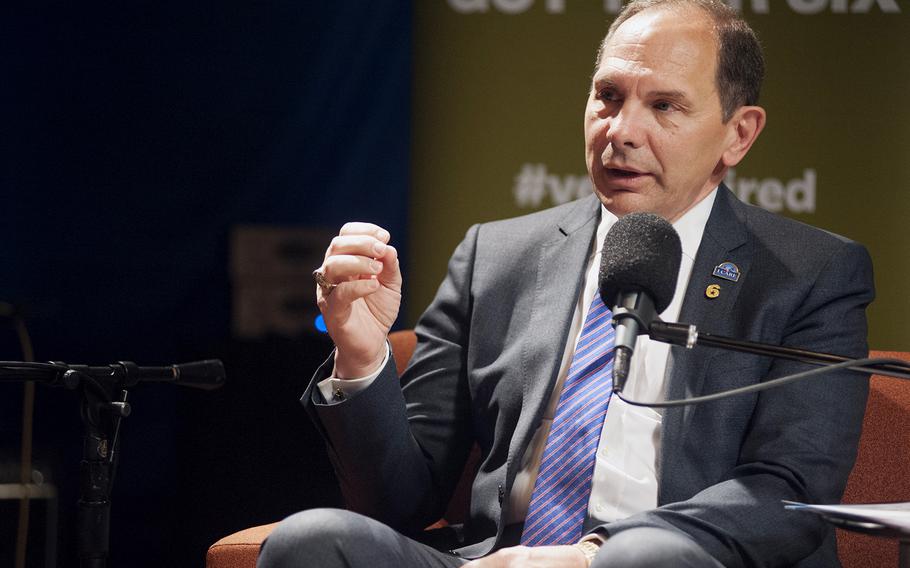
<point x="206" y="375"/>
<point x="641" y="253"/>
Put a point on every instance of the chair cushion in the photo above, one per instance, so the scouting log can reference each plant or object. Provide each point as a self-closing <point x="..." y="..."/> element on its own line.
<point x="238" y="550"/>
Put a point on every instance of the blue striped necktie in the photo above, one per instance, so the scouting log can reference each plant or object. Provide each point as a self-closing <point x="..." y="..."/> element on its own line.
<point x="559" y="502"/>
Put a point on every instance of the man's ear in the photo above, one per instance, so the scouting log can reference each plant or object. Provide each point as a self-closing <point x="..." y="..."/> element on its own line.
<point x="744" y="127"/>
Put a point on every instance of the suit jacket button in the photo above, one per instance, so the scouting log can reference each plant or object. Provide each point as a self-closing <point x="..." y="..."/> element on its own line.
<point x="502" y="494"/>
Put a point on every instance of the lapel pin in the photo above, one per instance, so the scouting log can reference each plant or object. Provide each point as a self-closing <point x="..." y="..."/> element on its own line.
<point x="727" y="271"/>
<point x="712" y="291"/>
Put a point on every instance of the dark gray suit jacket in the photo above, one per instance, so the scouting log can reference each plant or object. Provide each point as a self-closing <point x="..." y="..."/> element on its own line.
<point x="489" y="350"/>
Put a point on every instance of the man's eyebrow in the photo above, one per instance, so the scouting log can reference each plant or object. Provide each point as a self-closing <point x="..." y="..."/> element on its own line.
<point x="674" y="95"/>
<point x="603" y="82"/>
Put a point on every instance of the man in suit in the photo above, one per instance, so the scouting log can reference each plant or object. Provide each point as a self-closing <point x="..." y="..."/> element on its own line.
<point x="672" y="107"/>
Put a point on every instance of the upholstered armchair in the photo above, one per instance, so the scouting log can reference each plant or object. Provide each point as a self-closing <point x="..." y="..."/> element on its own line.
<point x="880" y="474"/>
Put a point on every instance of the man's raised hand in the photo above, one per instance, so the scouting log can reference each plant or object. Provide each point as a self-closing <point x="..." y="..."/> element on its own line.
<point x="360" y="310"/>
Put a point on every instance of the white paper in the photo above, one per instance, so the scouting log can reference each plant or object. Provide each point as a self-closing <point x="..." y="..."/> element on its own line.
<point x="892" y="515"/>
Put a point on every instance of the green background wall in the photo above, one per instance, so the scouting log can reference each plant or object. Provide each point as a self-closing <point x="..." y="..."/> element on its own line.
<point x="500" y="88"/>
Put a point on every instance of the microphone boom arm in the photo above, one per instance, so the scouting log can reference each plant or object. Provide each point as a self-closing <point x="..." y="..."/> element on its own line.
<point x="688" y="336"/>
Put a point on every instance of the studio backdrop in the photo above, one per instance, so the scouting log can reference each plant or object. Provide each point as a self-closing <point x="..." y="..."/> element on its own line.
<point x="500" y="88"/>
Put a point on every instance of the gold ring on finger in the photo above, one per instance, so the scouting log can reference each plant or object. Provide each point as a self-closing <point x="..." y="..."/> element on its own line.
<point x="326" y="286"/>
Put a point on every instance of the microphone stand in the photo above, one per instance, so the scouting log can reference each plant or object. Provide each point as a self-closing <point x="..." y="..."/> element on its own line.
<point x="101" y="418"/>
<point x="688" y="336"/>
<point x="103" y="406"/>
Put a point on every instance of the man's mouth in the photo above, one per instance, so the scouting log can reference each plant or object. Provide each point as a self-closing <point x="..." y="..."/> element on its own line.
<point x="624" y="173"/>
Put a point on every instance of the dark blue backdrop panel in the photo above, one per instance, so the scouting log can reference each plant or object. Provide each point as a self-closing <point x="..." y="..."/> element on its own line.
<point x="135" y="137"/>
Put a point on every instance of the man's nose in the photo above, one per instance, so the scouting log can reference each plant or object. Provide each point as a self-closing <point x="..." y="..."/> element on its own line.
<point x="626" y="128"/>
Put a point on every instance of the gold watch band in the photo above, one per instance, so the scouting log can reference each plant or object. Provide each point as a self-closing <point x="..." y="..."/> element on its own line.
<point x="589" y="548"/>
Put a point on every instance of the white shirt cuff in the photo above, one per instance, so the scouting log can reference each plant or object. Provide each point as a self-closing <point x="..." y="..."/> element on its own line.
<point x="335" y="390"/>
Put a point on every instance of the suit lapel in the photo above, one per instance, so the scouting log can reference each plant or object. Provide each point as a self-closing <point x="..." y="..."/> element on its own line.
<point x="725" y="239"/>
<point x="560" y="270"/>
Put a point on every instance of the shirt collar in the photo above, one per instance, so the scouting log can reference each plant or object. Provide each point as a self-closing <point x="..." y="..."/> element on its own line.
<point x="690" y="227"/>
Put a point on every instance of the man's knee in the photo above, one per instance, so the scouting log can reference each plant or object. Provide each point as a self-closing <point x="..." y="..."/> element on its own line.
<point x="322" y="536"/>
<point x="650" y="546"/>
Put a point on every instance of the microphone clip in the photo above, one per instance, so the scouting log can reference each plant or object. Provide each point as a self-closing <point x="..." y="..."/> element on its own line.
<point x="620" y="313"/>
<point x="682" y="334"/>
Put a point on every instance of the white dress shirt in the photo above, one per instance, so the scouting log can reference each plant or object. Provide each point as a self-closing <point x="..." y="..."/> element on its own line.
<point x="625" y="480"/>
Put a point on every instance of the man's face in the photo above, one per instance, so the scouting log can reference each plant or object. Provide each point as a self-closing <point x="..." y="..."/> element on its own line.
<point x="654" y="130"/>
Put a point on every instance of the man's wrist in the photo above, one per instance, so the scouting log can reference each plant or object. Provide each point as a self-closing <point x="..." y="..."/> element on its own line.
<point x="345" y="370"/>
<point x="335" y="389"/>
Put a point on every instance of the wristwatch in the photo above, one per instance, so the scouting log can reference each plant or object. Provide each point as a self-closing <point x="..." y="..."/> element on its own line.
<point x="589" y="548"/>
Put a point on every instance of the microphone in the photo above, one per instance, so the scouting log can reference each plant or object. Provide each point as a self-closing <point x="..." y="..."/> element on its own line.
<point x="205" y="375"/>
<point x="638" y="270"/>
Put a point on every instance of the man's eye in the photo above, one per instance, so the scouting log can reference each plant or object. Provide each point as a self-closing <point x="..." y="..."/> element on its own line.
<point x="663" y="106"/>
<point x="606" y="95"/>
